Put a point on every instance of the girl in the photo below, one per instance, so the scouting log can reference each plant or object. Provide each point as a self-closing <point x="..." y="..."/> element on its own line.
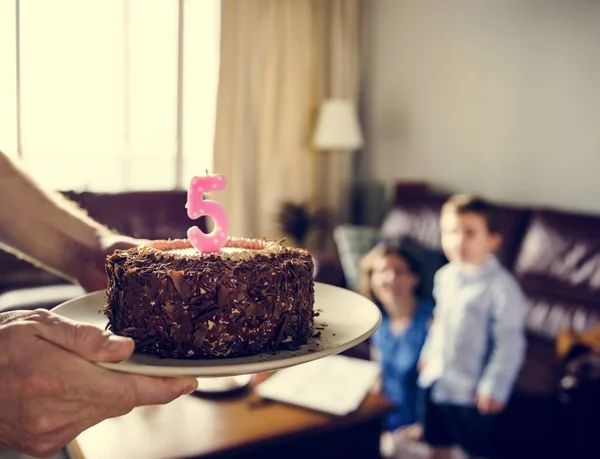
<point x="390" y="278"/>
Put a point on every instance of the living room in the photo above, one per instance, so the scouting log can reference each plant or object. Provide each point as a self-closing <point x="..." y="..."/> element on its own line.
<point x="337" y="125"/>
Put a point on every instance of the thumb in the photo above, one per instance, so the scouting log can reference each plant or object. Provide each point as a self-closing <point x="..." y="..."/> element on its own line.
<point x="150" y="390"/>
<point x="87" y="341"/>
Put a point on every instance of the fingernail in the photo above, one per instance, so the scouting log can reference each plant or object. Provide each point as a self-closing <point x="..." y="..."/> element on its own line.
<point x="189" y="389"/>
<point x="114" y="342"/>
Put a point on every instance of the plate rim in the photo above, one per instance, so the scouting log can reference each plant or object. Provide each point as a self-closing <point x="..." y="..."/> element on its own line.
<point x="235" y="369"/>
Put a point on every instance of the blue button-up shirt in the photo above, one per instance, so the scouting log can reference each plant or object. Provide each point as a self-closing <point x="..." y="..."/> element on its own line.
<point x="476" y="343"/>
<point x="398" y="354"/>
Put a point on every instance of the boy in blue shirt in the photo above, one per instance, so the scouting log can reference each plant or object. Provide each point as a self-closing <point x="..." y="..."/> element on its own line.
<point x="476" y="343"/>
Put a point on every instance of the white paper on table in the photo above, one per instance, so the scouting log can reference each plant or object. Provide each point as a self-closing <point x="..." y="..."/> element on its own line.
<point x="334" y="384"/>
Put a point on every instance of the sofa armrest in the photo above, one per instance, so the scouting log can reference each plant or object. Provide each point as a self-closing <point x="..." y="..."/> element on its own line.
<point x="328" y="269"/>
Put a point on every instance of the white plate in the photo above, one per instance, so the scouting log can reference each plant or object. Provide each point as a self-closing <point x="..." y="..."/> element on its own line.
<point x="345" y="320"/>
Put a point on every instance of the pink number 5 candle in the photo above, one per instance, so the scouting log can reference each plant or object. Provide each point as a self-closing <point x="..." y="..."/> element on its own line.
<point x="198" y="207"/>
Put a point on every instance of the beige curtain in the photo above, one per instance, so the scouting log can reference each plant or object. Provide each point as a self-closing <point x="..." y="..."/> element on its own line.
<point x="341" y="81"/>
<point x="279" y="59"/>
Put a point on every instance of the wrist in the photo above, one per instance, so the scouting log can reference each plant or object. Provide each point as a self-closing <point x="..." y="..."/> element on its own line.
<point x="84" y="258"/>
<point x="90" y="269"/>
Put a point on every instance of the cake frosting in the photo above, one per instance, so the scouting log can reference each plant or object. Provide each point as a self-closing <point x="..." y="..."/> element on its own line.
<point x="249" y="297"/>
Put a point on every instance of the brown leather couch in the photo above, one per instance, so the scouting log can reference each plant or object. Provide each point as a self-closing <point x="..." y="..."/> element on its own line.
<point x="555" y="256"/>
<point x="152" y="215"/>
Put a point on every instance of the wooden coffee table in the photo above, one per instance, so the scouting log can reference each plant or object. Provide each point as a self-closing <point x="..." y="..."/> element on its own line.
<point x="235" y="426"/>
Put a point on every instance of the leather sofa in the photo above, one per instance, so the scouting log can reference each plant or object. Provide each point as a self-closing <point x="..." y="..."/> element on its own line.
<point x="555" y="256"/>
<point x="151" y="215"/>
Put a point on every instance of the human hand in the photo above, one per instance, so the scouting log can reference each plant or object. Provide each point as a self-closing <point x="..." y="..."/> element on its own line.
<point x="488" y="405"/>
<point x="410" y="433"/>
<point x="50" y="390"/>
<point x="376" y="388"/>
<point x="91" y="274"/>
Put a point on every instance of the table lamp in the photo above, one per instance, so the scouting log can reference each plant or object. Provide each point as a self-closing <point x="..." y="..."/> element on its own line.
<point x="337" y="127"/>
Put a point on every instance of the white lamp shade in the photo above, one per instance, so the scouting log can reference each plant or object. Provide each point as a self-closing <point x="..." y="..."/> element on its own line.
<point x="337" y="126"/>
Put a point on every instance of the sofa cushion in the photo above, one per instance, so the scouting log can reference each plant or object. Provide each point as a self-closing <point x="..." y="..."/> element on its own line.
<point x="16" y="272"/>
<point x="145" y="214"/>
<point x="559" y="267"/>
<point x="549" y="314"/>
<point x="353" y="242"/>
<point x="512" y="224"/>
<point x="416" y="216"/>
<point x="561" y="254"/>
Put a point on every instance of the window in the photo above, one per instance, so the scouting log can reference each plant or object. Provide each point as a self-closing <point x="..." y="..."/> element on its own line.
<point x="109" y="95"/>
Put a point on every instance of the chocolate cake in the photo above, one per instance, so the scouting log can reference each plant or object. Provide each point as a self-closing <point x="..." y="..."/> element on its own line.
<point x="251" y="296"/>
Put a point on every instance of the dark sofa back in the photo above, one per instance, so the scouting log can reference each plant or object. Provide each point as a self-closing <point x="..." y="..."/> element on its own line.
<point x="416" y="210"/>
<point x="559" y="269"/>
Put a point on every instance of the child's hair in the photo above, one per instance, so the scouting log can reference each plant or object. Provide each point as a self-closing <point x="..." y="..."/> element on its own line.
<point x="382" y="249"/>
<point x="460" y="204"/>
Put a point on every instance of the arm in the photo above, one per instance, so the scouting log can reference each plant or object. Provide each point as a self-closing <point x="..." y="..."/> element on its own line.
<point x="375" y="355"/>
<point x="426" y="349"/>
<point x="508" y="317"/>
<point x="47" y="229"/>
<point x="423" y="356"/>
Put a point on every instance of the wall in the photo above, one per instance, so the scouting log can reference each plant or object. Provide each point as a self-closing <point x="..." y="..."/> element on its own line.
<point x="499" y="97"/>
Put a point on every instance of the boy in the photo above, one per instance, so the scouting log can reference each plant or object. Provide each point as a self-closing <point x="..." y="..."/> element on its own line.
<point x="476" y="344"/>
